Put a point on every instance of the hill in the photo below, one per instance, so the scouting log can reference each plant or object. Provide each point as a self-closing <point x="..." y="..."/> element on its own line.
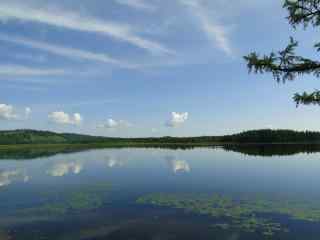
<point x="254" y="136"/>
<point x="45" y="137"/>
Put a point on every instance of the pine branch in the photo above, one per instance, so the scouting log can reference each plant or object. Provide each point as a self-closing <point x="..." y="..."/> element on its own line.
<point x="307" y="98"/>
<point x="284" y="65"/>
<point x="303" y="12"/>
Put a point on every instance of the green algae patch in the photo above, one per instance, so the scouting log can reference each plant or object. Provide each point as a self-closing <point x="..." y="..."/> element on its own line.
<point x="246" y="214"/>
<point x="84" y="198"/>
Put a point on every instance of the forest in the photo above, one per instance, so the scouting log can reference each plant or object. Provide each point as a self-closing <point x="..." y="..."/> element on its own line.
<point x="16" y="137"/>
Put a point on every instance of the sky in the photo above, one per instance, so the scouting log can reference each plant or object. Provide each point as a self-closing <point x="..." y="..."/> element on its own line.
<point x="136" y="68"/>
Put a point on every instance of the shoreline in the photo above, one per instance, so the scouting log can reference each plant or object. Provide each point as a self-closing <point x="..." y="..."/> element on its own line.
<point x="141" y="144"/>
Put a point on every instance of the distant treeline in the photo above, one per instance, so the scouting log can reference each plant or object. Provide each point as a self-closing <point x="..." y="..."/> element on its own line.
<point x="253" y="136"/>
<point x="45" y="137"/>
<point x="269" y="150"/>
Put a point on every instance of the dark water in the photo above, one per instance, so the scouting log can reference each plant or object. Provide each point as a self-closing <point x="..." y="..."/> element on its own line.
<point x="161" y="194"/>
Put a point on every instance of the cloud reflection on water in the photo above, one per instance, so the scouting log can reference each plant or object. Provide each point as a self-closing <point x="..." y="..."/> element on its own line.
<point x="65" y="168"/>
<point x="114" y="162"/>
<point x="7" y="177"/>
<point x="178" y="166"/>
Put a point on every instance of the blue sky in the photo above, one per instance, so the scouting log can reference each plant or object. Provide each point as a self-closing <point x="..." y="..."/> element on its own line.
<point x="146" y="67"/>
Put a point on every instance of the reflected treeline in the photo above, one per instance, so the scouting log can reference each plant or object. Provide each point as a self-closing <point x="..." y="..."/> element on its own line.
<point x="21" y="152"/>
<point x="39" y="151"/>
<point x="272" y="149"/>
<point x="32" y="152"/>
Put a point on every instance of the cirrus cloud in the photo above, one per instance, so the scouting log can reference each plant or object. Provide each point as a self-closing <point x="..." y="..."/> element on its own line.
<point x="71" y="53"/>
<point x="18" y="71"/>
<point x="76" y="21"/>
<point x="137" y="4"/>
<point x="216" y="32"/>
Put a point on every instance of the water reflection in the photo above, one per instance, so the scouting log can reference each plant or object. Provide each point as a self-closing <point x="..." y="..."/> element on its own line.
<point x="65" y="168"/>
<point x="115" y="162"/>
<point x="98" y="191"/>
<point x="269" y="150"/>
<point x="75" y="167"/>
<point x="247" y="149"/>
<point x="9" y="176"/>
<point x="178" y="166"/>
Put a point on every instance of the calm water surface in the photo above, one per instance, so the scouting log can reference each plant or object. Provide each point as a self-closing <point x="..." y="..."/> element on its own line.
<point x="160" y="194"/>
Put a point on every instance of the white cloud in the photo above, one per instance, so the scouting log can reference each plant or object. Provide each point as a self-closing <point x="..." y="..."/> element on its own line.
<point x="74" y="21"/>
<point x="27" y="112"/>
<point x="71" y="53"/>
<point x="116" y="124"/>
<point x="7" y="112"/>
<point x="77" y="118"/>
<point x="65" y="118"/>
<point x="137" y="4"/>
<point x="216" y="32"/>
<point x="17" y="70"/>
<point x="177" y="119"/>
<point x="112" y="123"/>
<point x="62" y="169"/>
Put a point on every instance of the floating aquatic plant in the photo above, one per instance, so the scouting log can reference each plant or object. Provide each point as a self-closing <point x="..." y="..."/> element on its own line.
<point x="247" y="214"/>
<point x="83" y="198"/>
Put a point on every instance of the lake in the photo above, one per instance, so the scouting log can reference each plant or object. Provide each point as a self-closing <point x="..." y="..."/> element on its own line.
<point x="225" y="193"/>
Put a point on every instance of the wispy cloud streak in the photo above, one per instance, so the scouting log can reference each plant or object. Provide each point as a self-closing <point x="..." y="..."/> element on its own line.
<point x="17" y="70"/>
<point x="214" y="31"/>
<point x="72" y="53"/>
<point x="74" y="21"/>
<point x="137" y="4"/>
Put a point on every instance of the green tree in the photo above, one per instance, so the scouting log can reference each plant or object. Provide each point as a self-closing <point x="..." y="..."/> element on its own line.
<point x="286" y="64"/>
